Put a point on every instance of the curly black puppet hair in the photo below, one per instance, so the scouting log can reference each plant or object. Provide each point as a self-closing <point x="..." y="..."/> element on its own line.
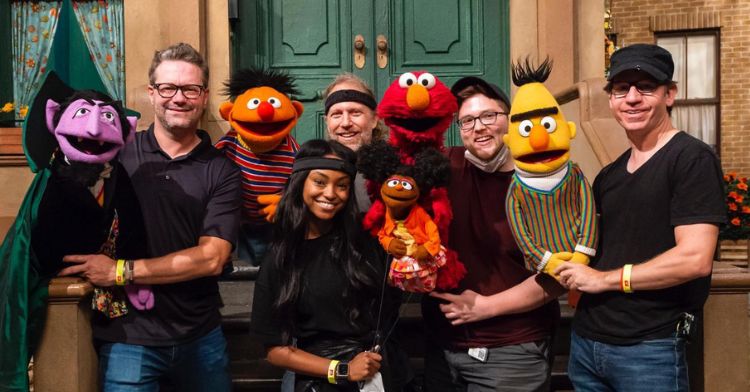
<point x="245" y="79"/>
<point x="378" y="160"/>
<point x="524" y="72"/>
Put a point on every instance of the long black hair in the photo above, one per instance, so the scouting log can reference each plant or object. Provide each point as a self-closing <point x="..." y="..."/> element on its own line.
<point x="351" y="247"/>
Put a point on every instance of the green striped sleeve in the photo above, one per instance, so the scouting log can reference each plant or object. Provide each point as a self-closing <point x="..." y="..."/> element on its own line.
<point x="534" y="254"/>
<point x="588" y="227"/>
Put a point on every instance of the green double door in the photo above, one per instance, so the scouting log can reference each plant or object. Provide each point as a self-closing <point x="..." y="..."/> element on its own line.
<point x="377" y="40"/>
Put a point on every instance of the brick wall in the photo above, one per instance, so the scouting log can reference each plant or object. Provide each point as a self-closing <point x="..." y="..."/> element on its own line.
<point x="635" y="22"/>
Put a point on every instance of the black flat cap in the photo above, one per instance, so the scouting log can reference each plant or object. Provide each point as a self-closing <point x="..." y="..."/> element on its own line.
<point x="651" y="59"/>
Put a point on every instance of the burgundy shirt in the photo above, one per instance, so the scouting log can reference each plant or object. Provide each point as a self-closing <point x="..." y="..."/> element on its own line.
<point x="480" y="234"/>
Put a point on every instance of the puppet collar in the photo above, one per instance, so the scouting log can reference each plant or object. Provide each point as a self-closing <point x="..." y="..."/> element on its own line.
<point x="543" y="181"/>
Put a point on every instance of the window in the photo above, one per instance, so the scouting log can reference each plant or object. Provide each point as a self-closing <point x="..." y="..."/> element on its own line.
<point x="74" y="25"/>
<point x="696" y="58"/>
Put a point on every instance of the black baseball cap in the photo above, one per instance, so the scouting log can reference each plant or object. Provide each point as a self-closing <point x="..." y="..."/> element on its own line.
<point x="651" y="59"/>
<point x="493" y="89"/>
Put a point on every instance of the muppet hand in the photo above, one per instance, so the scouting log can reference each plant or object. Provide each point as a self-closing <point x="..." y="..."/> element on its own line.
<point x="270" y="203"/>
<point x="397" y="248"/>
<point x="422" y="254"/>
<point x="140" y="296"/>
<point x="555" y="261"/>
<point x="579" y="258"/>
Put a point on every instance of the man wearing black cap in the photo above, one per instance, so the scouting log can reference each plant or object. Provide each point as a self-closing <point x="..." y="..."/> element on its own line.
<point x="661" y="203"/>
<point x="495" y="335"/>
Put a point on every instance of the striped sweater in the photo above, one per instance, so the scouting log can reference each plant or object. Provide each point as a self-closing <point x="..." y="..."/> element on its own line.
<point x="262" y="174"/>
<point x="562" y="219"/>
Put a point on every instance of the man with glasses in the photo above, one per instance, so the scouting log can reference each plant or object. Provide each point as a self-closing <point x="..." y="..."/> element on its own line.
<point x="190" y="197"/>
<point x="660" y="203"/>
<point x="496" y="334"/>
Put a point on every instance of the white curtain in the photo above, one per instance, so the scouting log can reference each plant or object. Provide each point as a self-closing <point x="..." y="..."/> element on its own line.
<point x="697" y="120"/>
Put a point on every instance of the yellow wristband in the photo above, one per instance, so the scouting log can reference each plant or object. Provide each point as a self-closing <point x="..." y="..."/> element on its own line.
<point x="119" y="270"/>
<point x="332" y="371"/>
<point x="626" y="271"/>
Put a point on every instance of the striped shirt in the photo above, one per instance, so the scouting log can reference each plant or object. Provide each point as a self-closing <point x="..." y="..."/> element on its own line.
<point x="262" y="174"/>
<point x="562" y="219"/>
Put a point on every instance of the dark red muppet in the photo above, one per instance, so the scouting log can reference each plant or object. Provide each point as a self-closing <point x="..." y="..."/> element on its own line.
<point x="418" y="108"/>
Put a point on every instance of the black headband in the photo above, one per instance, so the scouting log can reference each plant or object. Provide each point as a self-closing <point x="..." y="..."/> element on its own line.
<point x="350" y="96"/>
<point x="310" y="163"/>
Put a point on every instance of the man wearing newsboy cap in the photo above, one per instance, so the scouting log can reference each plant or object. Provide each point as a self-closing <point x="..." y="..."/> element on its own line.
<point x="660" y="203"/>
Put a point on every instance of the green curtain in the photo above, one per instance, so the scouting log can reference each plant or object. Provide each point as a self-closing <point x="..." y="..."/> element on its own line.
<point x="23" y="294"/>
<point x="101" y="23"/>
<point x="33" y="30"/>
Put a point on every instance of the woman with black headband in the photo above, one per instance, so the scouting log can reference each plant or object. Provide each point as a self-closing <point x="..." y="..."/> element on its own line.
<point x="323" y="280"/>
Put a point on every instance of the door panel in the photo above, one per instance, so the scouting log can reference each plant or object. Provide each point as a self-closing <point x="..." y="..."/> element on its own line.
<point x="313" y="40"/>
<point x="307" y="34"/>
<point x="434" y="38"/>
<point x="310" y="39"/>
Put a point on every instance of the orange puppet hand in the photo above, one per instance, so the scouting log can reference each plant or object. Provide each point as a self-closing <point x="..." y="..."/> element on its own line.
<point x="269" y="203"/>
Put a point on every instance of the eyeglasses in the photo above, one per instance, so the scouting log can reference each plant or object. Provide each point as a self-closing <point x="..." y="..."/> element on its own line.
<point x="169" y="90"/>
<point x="644" y="87"/>
<point x="487" y="118"/>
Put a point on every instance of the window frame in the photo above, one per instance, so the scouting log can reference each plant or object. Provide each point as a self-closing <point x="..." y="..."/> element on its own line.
<point x="715" y="32"/>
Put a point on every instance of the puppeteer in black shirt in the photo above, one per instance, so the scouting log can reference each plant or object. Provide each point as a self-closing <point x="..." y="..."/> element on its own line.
<point x="320" y="315"/>
<point x="182" y="199"/>
<point x="680" y="185"/>
<point x="321" y="311"/>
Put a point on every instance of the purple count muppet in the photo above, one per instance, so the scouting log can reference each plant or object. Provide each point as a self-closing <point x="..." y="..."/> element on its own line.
<point x="90" y="130"/>
<point x="81" y="201"/>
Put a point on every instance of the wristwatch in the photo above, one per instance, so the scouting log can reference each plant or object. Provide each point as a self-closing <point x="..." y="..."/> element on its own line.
<point x="342" y="372"/>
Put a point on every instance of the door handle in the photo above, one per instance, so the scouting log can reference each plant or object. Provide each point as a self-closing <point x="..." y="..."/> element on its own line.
<point x="382" y="44"/>
<point x="359" y="51"/>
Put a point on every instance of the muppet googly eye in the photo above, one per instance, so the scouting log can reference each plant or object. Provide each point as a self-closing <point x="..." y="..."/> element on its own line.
<point x="253" y="103"/>
<point x="525" y="128"/>
<point x="108" y="117"/>
<point x="427" y="80"/>
<point x="549" y="124"/>
<point x="392" y="183"/>
<point x="275" y="102"/>
<point x="406" y="185"/>
<point x="407" y="80"/>
<point x="81" y="112"/>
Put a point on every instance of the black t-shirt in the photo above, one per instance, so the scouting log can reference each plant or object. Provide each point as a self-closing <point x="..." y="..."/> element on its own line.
<point x="321" y="310"/>
<point x="680" y="185"/>
<point x="182" y="199"/>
